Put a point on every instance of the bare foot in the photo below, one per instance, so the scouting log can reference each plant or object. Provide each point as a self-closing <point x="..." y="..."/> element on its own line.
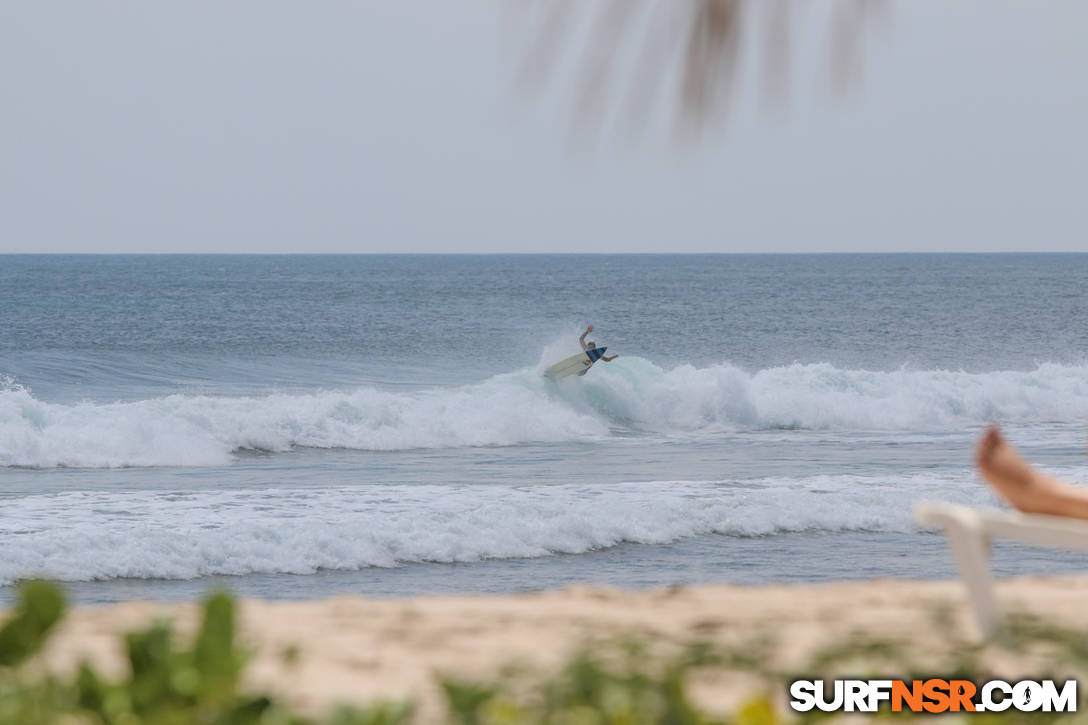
<point x="1025" y="487"/>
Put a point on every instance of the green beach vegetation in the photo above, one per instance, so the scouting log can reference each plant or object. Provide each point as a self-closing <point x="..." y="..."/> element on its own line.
<point x="631" y="682"/>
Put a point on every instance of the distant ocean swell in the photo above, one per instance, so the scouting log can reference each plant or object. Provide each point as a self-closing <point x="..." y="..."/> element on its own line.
<point x="107" y="535"/>
<point x="630" y="395"/>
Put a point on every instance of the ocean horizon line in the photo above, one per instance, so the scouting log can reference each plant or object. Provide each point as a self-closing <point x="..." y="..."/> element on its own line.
<point x="1035" y="253"/>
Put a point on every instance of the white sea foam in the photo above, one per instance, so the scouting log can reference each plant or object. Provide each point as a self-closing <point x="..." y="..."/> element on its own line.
<point x="108" y="534"/>
<point x="628" y="395"/>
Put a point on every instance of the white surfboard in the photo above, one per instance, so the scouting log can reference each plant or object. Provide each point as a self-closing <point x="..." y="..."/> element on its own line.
<point x="575" y="364"/>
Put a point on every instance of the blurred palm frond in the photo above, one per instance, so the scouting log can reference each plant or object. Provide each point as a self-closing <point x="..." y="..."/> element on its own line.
<point x="693" y="49"/>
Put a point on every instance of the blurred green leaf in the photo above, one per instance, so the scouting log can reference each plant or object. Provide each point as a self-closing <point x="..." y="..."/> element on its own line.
<point x="214" y="655"/>
<point x="40" y="607"/>
<point x="465" y="699"/>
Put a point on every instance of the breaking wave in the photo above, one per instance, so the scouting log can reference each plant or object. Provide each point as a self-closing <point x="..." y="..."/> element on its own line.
<point x="629" y="396"/>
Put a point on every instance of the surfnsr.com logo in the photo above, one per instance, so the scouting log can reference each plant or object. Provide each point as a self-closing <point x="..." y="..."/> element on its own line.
<point x="933" y="696"/>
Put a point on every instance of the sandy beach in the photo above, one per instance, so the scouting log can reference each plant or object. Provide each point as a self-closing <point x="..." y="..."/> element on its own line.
<point x="356" y="650"/>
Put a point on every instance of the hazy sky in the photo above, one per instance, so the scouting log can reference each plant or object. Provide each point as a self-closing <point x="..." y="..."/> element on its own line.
<point x="341" y="126"/>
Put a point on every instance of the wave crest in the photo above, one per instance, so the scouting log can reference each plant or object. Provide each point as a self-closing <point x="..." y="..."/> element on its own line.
<point x="629" y="395"/>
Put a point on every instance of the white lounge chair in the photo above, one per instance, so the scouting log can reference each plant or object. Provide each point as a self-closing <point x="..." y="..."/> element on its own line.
<point x="970" y="530"/>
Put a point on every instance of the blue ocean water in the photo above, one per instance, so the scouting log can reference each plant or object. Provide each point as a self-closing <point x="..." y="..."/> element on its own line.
<point x="299" y="426"/>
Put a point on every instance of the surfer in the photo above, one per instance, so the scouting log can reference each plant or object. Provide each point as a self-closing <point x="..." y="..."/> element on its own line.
<point x="587" y="346"/>
<point x="1024" y="486"/>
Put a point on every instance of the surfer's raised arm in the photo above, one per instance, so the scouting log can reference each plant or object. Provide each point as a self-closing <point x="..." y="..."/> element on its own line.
<point x="581" y="363"/>
<point x="582" y="339"/>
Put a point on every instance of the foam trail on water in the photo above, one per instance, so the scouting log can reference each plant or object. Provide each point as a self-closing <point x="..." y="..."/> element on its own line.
<point x="628" y="395"/>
